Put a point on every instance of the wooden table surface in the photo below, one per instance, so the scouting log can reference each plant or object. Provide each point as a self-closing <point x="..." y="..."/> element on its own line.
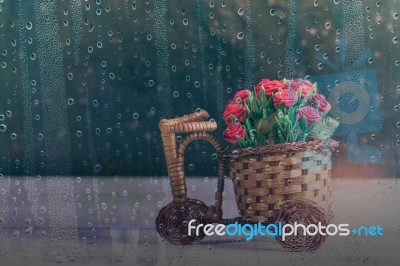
<point x="110" y="221"/>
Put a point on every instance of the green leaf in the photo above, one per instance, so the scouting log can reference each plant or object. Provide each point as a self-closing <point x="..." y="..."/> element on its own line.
<point x="261" y="139"/>
<point x="234" y="119"/>
<point x="241" y="142"/>
<point x="291" y="115"/>
<point x="285" y="119"/>
<point x="263" y="98"/>
<point x="253" y="105"/>
<point x="264" y="113"/>
<point x="325" y="129"/>
<point x="299" y="93"/>
<point x="279" y="124"/>
<point x="316" y="105"/>
<point x="303" y="124"/>
<point x="251" y="96"/>
<point x="270" y="104"/>
<point x="280" y="137"/>
<point x="312" y="126"/>
<point x="281" y="107"/>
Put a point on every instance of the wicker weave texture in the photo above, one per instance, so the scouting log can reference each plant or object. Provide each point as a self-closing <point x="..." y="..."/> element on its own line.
<point x="262" y="181"/>
<point x="174" y="155"/>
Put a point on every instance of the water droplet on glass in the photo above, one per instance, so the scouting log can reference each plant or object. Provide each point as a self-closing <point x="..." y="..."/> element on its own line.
<point x="97" y="168"/>
<point x="327" y="25"/>
<point x="272" y="12"/>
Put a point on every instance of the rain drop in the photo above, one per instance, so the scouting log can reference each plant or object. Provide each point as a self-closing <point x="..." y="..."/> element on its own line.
<point x="97" y="168"/>
<point x="272" y="12"/>
<point x="327" y="25"/>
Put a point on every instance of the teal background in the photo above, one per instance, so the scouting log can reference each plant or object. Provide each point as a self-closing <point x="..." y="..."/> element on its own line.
<point x="83" y="84"/>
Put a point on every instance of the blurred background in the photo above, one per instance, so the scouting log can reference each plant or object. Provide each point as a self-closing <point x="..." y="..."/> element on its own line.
<point x="83" y="84"/>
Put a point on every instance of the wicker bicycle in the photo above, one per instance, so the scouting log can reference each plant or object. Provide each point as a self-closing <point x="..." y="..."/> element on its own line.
<point x="275" y="183"/>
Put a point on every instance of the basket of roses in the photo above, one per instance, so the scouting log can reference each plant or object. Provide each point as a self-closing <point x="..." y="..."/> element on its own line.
<point x="281" y="132"/>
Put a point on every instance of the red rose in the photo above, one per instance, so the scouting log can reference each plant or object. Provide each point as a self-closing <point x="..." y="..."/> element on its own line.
<point x="303" y="85"/>
<point x="243" y="94"/>
<point x="310" y="113"/>
<point x="232" y="131"/>
<point x="323" y="103"/>
<point x="288" y="97"/>
<point x="234" y="109"/>
<point x="270" y="86"/>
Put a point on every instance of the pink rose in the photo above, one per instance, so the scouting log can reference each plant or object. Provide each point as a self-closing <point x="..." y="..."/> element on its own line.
<point x="303" y="85"/>
<point x="310" y="113"/>
<point x="234" y="109"/>
<point x="232" y="131"/>
<point x="288" y="97"/>
<point x="243" y="94"/>
<point x="270" y="86"/>
<point x="323" y="103"/>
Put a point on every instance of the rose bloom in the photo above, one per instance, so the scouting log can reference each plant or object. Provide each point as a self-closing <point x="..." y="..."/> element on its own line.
<point x="232" y="131"/>
<point x="234" y="109"/>
<point x="303" y="85"/>
<point x="243" y="94"/>
<point x="270" y="86"/>
<point x="310" y="113"/>
<point x="323" y="103"/>
<point x="288" y="97"/>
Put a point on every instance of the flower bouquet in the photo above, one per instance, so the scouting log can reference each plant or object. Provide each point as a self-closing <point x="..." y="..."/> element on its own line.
<point x="278" y="111"/>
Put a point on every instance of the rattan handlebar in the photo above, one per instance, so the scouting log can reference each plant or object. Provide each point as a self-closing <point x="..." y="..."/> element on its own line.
<point x="175" y="158"/>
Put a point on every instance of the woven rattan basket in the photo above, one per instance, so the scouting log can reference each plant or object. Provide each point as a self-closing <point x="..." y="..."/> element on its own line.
<point x="265" y="177"/>
<point x="275" y="183"/>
